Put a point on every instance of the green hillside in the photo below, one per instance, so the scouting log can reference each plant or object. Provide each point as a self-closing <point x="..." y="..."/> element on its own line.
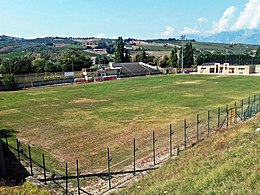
<point x="166" y="46"/>
<point x="225" y="163"/>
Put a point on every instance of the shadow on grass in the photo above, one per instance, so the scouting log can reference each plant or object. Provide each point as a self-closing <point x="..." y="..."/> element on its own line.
<point x="12" y="170"/>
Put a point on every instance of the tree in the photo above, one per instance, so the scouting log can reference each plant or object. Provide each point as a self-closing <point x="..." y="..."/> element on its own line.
<point x="164" y="61"/>
<point x="200" y="59"/>
<point x="127" y="57"/>
<point x="52" y="66"/>
<point x="39" y="64"/>
<point x="74" y="60"/>
<point x="156" y="61"/>
<point x="17" y="65"/>
<point x="188" y="55"/>
<point x="257" y="54"/>
<point x="173" y="61"/>
<point x="119" y="50"/>
<point x="102" y="59"/>
<point x="143" y="57"/>
<point x="9" y="81"/>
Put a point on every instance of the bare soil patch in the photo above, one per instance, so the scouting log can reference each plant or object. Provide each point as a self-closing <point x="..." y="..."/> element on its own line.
<point x="189" y="82"/>
<point x="86" y="100"/>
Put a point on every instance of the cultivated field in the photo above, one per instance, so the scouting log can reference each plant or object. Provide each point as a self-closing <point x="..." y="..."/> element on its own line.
<point x="164" y="48"/>
<point x="81" y="121"/>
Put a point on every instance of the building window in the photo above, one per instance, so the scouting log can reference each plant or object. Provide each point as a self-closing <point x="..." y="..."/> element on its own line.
<point x="212" y="70"/>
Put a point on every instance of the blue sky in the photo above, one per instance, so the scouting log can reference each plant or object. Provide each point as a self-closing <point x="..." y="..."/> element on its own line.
<point x="127" y="18"/>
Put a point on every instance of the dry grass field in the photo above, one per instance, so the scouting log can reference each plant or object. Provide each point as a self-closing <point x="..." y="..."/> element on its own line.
<point x="81" y="121"/>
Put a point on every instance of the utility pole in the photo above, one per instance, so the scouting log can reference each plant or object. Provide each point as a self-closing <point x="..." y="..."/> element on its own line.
<point x="182" y="38"/>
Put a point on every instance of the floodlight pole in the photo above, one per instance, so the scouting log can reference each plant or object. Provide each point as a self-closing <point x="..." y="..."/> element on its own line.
<point x="182" y="38"/>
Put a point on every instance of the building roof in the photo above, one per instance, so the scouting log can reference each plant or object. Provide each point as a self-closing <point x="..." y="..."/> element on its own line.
<point x="135" y="69"/>
<point x="208" y="63"/>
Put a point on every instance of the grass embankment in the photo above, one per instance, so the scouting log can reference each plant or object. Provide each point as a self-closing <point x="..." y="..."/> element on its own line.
<point x="25" y="189"/>
<point x="81" y="121"/>
<point x="224" y="163"/>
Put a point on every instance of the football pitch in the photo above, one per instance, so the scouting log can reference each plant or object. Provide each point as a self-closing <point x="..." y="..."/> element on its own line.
<point x="82" y="121"/>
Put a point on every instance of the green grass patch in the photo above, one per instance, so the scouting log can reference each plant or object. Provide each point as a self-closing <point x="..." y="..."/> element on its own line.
<point x="72" y="46"/>
<point x="14" y="54"/>
<point x="27" y="188"/>
<point x="52" y="163"/>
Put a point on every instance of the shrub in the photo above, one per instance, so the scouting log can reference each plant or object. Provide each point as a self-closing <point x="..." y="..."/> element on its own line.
<point x="9" y="81"/>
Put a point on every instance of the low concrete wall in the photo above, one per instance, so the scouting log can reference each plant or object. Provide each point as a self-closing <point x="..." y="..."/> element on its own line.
<point x="43" y="83"/>
<point x="257" y="69"/>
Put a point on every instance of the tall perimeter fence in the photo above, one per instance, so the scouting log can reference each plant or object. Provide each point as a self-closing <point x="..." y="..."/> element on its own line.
<point x="148" y="155"/>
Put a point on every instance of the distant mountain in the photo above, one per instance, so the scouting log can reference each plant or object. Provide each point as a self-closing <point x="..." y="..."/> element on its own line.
<point x="240" y="36"/>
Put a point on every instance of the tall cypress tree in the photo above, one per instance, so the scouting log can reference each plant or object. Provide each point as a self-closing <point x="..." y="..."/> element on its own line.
<point x="188" y="55"/>
<point x="127" y="57"/>
<point x="119" y="50"/>
<point x="257" y="54"/>
<point x="173" y="58"/>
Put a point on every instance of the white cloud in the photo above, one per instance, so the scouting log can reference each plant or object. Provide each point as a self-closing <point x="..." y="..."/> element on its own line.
<point x="190" y="31"/>
<point x="224" y="23"/>
<point x="250" y="17"/>
<point x="202" y="19"/>
<point x="168" y="32"/>
<point x="100" y="35"/>
<point x="115" y="37"/>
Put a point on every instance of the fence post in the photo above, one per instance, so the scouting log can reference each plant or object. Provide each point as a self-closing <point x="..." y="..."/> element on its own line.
<point x="185" y="133"/>
<point x="135" y="149"/>
<point x="7" y="150"/>
<point x="259" y="102"/>
<point x="77" y="164"/>
<point x="154" y="141"/>
<point x="6" y="142"/>
<point x="108" y="168"/>
<point x="245" y="111"/>
<point x="242" y="109"/>
<point x="30" y="158"/>
<point x="171" y="133"/>
<point x="227" y="115"/>
<point x="19" y="158"/>
<point x="254" y="104"/>
<point x="44" y="170"/>
<point x="218" y="117"/>
<point x="249" y="107"/>
<point x="209" y="121"/>
<point x="197" y="129"/>
<point x="235" y="113"/>
<point x="66" y="179"/>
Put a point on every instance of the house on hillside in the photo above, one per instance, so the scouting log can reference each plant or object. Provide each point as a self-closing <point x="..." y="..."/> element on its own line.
<point x="226" y="68"/>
